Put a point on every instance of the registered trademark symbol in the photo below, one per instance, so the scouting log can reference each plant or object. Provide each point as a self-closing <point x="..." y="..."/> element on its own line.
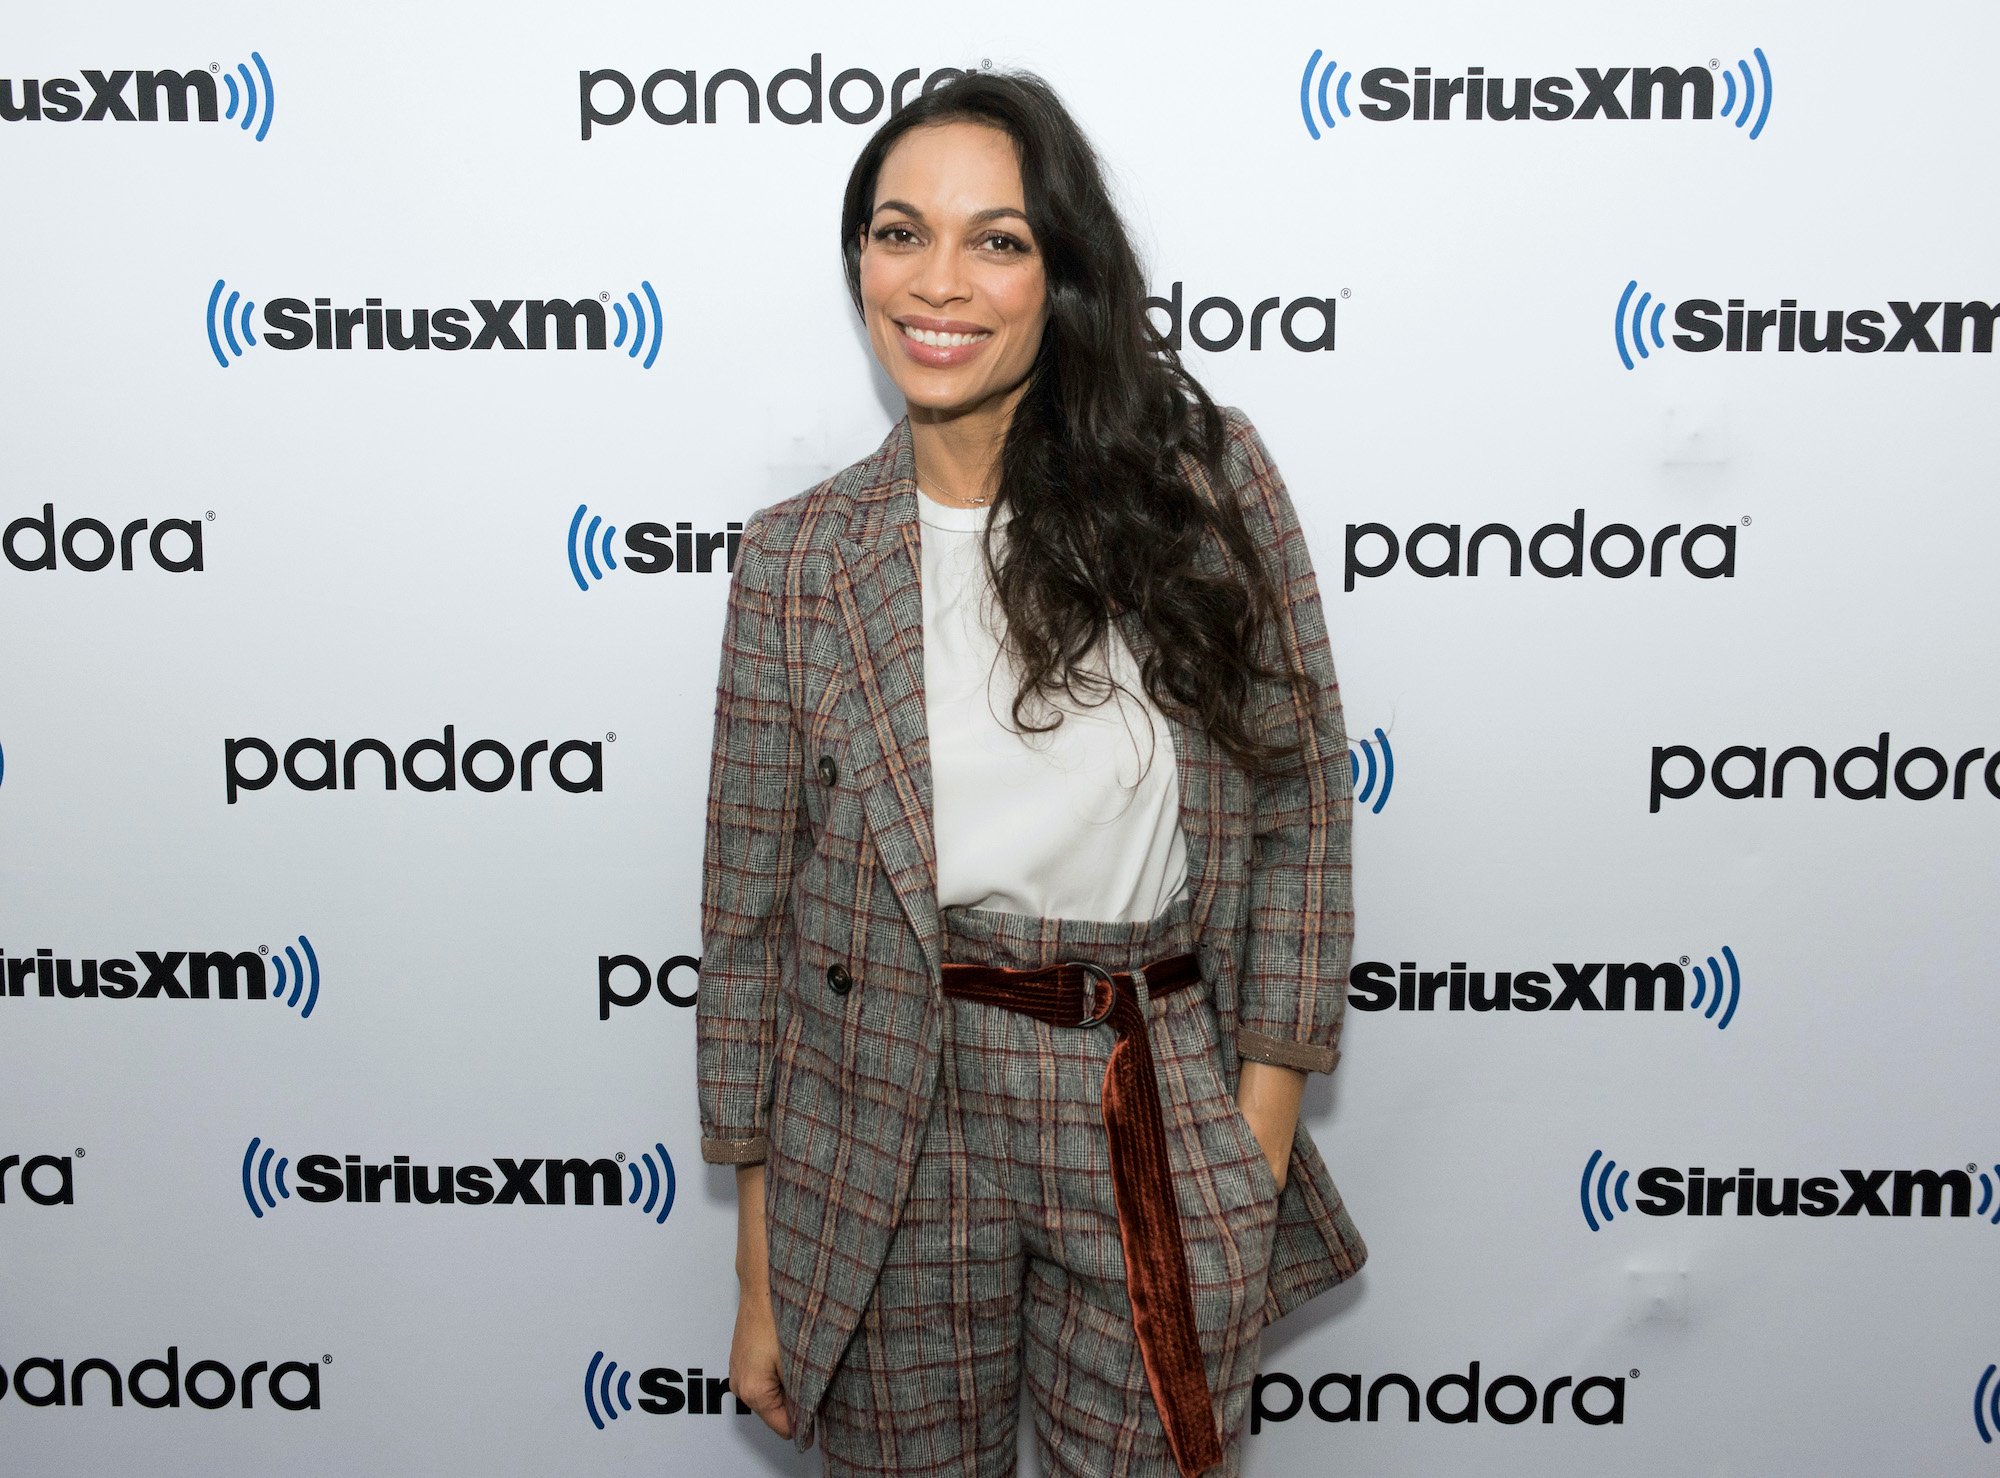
<point x="215" y="66"/>
<point x="1746" y="520"/>
<point x="604" y="297"/>
<point x="326" y="1359"/>
<point x="1347" y="292"/>
<point x="611" y="738"/>
<point x="619" y="1157"/>
<point x="211" y="515"/>
<point x="1969" y="1170"/>
<point x="1635" y="1372"/>
<point x="79" y="1152"/>
<point x="1714" y="62"/>
<point x="1684" y="959"/>
<point x="986" y="61"/>
<point x="264" y="949"/>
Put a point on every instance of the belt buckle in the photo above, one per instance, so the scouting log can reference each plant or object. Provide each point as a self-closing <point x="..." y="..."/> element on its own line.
<point x="1097" y="1018"/>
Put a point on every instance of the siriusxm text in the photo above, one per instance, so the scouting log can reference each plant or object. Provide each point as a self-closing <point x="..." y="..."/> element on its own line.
<point x="1392" y="94"/>
<point x="1666" y="1191"/>
<point x="505" y="1182"/>
<point x="169" y="975"/>
<point x="488" y="323"/>
<point x="1933" y="327"/>
<point x="1375" y="985"/>
<point x="121" y="96"/>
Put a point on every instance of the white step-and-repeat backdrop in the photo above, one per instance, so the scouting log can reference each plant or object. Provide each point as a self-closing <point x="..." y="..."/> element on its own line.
<point x="384" y="388"/>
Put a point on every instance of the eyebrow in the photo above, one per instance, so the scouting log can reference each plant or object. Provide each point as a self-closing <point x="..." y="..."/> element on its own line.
<point x="992" y="213"/>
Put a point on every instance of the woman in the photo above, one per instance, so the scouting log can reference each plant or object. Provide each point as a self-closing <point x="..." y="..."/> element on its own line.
<point x="1025" y="895"/>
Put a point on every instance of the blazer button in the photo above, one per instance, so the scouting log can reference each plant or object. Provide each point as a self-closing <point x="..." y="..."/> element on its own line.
<point x="838" y="980"/>
<point x="829" y="772"/>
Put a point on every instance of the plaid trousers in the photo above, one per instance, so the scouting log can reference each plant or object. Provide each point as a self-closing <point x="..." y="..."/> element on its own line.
<point x="1007" y="1256"/>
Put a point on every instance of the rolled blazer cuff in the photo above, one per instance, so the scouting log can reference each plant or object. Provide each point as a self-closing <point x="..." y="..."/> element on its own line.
<point x="751" y="1151"/>
<point x="1306" y="1057"/>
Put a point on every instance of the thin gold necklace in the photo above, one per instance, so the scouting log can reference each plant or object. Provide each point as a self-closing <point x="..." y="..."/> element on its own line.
<point x="953" y="503"/>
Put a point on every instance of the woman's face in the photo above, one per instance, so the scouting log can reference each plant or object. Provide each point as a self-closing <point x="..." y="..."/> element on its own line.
<point x="952" y="285"/>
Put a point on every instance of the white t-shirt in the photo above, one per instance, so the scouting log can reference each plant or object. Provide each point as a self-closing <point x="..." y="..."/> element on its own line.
<point x="1082" y="822"/>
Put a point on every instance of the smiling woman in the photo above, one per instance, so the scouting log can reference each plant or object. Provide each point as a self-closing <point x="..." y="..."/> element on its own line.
<point x="1026" y="898"/>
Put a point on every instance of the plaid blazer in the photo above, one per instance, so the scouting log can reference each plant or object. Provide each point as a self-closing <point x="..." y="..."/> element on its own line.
<point x="819" y="1015"/>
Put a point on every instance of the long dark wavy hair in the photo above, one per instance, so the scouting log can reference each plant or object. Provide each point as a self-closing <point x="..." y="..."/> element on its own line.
<point x="1098" y="468"/>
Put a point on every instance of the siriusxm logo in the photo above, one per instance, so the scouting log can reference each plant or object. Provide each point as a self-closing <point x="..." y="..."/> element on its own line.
<point x="324" y="1179"/>
<point x="1508" y="1399"/>
<point x="505" y="323"/>
<point x="1863" y="773"/>
<point x="646" y="981"/>
<point x="188" y="97"/>
<point x="289" y="976"/>
<point x="487" y="764"/>
<point x="292" y="1385"/>
<point x="1375" y="985"/>
<point x="1930" y="327"/>
<point x="1440" y="551"/>
<point x="1217" y="323"/>
<point x="671" y="94"/>
<point x="1623" y="93"/>
<point x="662" y="1392"/>
<point x="1365" y="786"/>
<point x="650" y="548"/>
<point x="88" y="544"/>
<point x="47" y="1180"/>
<point x="1666" y="1191"/>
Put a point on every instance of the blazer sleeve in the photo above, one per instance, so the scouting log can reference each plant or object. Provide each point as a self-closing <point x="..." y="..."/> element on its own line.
<point x="1292" y="993"/>
<point x="755" y="813"/>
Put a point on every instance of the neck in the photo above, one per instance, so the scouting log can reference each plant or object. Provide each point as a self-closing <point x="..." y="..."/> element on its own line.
<point x="958" y="452"/>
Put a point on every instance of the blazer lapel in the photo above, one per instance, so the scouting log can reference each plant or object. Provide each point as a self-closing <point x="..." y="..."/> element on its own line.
<point x="878" y="591"/>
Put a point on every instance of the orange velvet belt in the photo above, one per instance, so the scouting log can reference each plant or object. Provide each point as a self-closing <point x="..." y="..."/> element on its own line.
<point x="1077" y="994"/>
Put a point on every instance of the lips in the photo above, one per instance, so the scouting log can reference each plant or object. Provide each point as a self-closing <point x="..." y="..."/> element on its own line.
<point x="941" y="343"/>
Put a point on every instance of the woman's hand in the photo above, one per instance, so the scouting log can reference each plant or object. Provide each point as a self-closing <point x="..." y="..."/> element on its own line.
<point x="1269" y="1097"/>
<point x="753" y="1351"/>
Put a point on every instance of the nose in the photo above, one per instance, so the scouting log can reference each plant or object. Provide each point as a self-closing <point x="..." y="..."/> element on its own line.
<point x="941" y="276"/>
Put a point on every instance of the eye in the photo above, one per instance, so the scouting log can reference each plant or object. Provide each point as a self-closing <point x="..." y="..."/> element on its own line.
<point x="1003" y="242"/>
<point x="895" y="233"/>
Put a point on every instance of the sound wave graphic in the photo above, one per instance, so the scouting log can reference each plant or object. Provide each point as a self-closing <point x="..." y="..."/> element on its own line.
<point x="639" y="324"/>
<point x="253" y="102"/>
<point x="659" y="1183"/>
<point x="1308" y="95"/>
<point x="232" y="322"/>
<point x="1631" y="322"/>
<point x="590" y="541"/>
<point x="1986" y="1404"/>
<point x="1715" y="988"/>
<point x="1606" y="1189"/>
<point x="303" y="977"/>
<point x="1989" y="1198"/>
<point x="1751" y="96"/>
<point x="1387" y="772"/>
<point x="3" y="764"/>
<point x="598" y="1393"/>
<point x="261" y="1190"/>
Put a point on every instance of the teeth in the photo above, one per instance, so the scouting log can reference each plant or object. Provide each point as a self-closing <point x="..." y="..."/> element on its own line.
<point x="937" y="340"/>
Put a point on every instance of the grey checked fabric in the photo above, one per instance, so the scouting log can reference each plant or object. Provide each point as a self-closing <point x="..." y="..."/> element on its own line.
<point x="820" y="1024"/>
<point x="1007" y="1255"/>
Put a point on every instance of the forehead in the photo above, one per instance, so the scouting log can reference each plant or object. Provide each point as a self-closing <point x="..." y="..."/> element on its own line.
<point x="956" y="167"/>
